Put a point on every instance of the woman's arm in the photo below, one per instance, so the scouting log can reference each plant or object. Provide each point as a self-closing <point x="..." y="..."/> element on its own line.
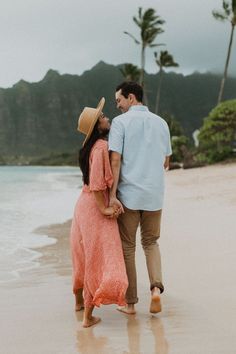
<point x="99" y="197"/>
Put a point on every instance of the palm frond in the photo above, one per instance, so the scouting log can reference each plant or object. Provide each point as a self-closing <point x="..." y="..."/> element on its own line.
<point x="227" y="11"/>
<point x="171" y="64"/>
<point x="165" y="59"/>
<point x="156" y="45"/>
<point x="130" y="72"/>
<point x="159" y="22"/>
<point x="219" y="15"/>
<point x="130" y="35"/>
<point x="138" y="22"/>
<point x="226" y="7"/>
<point x="148" y="35"/>
<point x="234" y="7"/>
<point x="150" y="25"/>
<point x="140" y="12"/>
<point x="149" y="15"/>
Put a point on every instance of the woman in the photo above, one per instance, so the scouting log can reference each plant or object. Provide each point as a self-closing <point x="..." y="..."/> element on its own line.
<point x="98" y="264"/>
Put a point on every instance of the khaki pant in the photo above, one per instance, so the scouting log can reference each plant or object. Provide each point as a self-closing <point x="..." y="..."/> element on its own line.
<point x="150" y="232"/>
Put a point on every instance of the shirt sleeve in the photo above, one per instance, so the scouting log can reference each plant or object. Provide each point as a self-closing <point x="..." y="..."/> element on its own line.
<point x="100" y="176"/>
<point x="116" y="137"/>
<point x="168" y="145"/>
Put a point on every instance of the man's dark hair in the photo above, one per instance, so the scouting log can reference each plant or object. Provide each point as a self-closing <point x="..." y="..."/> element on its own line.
<point x="128" y="87"/>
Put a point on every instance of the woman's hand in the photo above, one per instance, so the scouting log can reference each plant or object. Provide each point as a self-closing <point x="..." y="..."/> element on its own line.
<point x="115" y="203"/>
<point x="111" y="212"/>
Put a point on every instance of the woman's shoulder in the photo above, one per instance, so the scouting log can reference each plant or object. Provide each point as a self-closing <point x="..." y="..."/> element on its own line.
<point x="101" y="144"/>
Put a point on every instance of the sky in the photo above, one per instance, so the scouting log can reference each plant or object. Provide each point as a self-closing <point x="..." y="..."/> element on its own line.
<point x="72" y="36"/>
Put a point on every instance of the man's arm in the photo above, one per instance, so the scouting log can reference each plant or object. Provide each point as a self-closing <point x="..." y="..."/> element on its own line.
<point x="115" y="159"/>
<point x="167" y="163"/>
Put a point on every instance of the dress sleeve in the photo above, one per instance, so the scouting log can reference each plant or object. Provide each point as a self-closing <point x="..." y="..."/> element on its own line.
<point x="100" y="176"/>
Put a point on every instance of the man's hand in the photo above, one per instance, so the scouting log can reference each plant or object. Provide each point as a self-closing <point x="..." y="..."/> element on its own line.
<point x="117" y="205"/>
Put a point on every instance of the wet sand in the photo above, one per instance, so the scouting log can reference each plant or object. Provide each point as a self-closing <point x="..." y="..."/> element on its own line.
<point x="198" y="242"/>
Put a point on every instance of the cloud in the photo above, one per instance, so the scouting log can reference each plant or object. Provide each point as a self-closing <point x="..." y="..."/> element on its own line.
<point x="72" y="36"/>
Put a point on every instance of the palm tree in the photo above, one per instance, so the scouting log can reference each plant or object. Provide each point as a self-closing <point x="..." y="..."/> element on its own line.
<point x="228" y="14"/>
<point x="130" y="72"/>
<point x="150" y="26"/>
<point x="163" y="60"/>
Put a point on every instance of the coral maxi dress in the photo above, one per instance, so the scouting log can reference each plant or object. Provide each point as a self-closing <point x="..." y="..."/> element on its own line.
<point x="98" y="264"/>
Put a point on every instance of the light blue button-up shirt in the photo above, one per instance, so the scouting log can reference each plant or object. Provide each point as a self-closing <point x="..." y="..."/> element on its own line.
<point x="143" y="140"/>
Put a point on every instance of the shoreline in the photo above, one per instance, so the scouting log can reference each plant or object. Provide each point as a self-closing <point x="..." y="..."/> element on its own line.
<point x="71" y="165"/>
<point x="58" y="253"/>
<point x="197" y="246"/>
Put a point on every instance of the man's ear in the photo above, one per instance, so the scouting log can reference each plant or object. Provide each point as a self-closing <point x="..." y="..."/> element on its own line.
<point x="131" y="97"/>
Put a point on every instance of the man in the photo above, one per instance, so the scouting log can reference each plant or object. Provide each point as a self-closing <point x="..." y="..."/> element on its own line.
<point x="140" y="147"/>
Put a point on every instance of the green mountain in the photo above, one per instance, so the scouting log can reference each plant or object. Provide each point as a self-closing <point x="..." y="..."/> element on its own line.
<point x="40" y="119"/>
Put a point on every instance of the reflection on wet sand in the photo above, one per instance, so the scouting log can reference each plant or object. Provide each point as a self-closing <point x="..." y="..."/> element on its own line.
<point x="88" y="343"/>
<point x="133" y="332"/>
<point x="141" y="336"/>
<point x="156" y="326"/>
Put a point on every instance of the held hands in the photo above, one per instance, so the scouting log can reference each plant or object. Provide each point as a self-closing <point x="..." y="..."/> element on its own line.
<point x="116" y="205"/>
<point x="110" y="212"/>
<point x="114" y="209"/>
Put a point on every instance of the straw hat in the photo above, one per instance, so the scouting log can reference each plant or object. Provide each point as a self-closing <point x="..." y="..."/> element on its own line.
<point x="88" y="119"/>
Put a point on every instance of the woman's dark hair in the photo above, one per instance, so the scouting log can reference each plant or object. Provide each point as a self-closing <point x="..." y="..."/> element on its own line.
<point x="84" y="152"/>
<point x="128" y="87"/>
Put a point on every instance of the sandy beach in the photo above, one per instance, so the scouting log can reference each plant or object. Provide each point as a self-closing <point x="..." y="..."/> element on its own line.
<point x="198" y="242"/>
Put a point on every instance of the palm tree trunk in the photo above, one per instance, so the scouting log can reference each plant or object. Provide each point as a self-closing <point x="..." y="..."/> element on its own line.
<point x="226" y="65"/>
<point x="141" y="80"/>
<point x="159" y="91"/>
<point x="142" y="83"/>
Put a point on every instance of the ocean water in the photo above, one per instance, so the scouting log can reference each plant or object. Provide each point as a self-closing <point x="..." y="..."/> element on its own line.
<point x="31" y="197"/>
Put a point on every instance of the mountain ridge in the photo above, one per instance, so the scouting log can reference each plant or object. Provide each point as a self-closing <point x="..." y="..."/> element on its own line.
<point x="40" y="118"/>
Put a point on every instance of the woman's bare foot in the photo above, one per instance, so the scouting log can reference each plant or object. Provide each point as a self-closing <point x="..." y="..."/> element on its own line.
<point x="129" y="309"/>
<point x="79" y="307"/>
<point x="155" y="305"/>
<point x="88" y="322"/>
<point x="79" y="301"/>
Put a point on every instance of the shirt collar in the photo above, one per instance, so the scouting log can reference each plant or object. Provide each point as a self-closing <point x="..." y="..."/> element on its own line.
<point x="138" y="107"/>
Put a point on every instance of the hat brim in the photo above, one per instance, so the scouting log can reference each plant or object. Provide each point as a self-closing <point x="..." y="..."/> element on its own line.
<point x="97" y="115"/>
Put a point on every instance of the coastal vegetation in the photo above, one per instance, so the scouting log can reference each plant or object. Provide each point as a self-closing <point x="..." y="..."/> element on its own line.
<point x="130" y="72"/>
<point x="217" y="137"/>
<point x="39" y="120"/>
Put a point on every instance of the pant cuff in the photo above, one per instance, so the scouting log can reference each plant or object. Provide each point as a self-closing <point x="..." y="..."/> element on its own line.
<point x="157" y="285"/>
<point x="132" y="301"/>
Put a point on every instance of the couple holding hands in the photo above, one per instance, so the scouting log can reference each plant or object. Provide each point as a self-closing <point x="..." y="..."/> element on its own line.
<point x="123" y="173"/>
